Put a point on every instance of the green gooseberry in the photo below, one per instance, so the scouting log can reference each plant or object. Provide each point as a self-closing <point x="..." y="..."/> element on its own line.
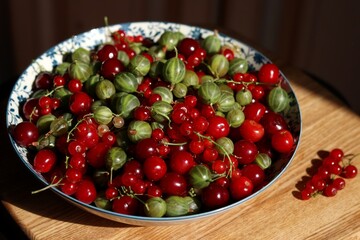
<point x="219" y="65"/>
<point x="278" y="99"/>
<point x="209" y="92"/>
<point x="80" y="70"/>
<point x="243" y="97"/>
<point x="105" y="89"/>
<point x="155" y="207"/>
<point x="138" y="130"/>
<point x="103" y="115"/>
<point x="126" y="82"/>
<point x="165" y="93"/>
<point x="139" y="65"/>
<point x="200" y="176"/>
<point x="237" y="65"/>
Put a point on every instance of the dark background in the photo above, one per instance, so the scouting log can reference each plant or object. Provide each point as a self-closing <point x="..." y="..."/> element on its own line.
<point x="320" y="37"/>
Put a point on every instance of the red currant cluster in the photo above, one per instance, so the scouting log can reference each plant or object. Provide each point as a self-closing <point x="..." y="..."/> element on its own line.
<point x="36" y="107"/>
<point x="329" y="178"/>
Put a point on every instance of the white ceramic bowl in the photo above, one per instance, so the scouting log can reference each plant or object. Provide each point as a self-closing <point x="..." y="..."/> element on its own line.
<point x="23" y="88"/>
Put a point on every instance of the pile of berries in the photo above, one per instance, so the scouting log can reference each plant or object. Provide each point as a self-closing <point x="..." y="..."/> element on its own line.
<point x="330" y="175"/>
<point x="179" y="125"/>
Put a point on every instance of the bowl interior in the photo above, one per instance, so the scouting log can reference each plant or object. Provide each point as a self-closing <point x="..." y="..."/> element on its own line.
<point x="54" y="56"/>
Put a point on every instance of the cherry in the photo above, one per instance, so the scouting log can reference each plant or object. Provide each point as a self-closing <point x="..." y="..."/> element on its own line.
<point x="154" y="168"/>
<point x="190" y="101"/>
<point x="254" y="173"/>
<point x="44" y="161"/>
<point x="178" y="115"/>
<point x="173" y="184"/>
<point x="215" y="196"/>
<point x="125" y="205"/>
<point x="96" y="155"/>
<point x="251" y="130"/>
<point x="223" y="181"/>
<point x="245" y="151"/>
<point x="241" y="187"/>
<point x="25" y="133"/>
<point x="282" y="141"/>
<point x="181" y="162"/>
<point x="80" y="103"/>
<point x="43" y="81"/>
<point x="157" y="134"/>
<point x="254" y="111"/>
<point x="86" y="191"/>
<point x="218" y="127"/>
<point x="106" y="52"/>
<point x="119" y="35"/>
<point x="74" y="85"/>
<point x="269" y="73"/>
<point x="134" y="167"/>
<point x="128" y="179"/>
<point x="146" y="148"/>
<point x="318" y="183"/>
<point x="130" y="52"/>
<point x="111" y="67"/>
<point x="188" y="46"/>
<point x="200" y="124"/>
<point x="257" y="92"/>
<point x="273" y="122"/>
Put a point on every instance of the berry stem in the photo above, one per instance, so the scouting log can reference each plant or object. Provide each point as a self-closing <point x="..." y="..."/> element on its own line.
<point x="226" y="154"/>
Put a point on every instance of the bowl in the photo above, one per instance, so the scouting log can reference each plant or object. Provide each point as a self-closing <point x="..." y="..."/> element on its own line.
<point x="23" y="88"/>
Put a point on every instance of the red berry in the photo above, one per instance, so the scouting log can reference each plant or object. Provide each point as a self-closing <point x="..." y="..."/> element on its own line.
<point x="269" y="73"/>
<point x="330" y="191"/>
<point x="44" y="161"/>
<point x="86" y="191"/>
<point x="350" y="171"/>
<point x="336" y="154"/>
<point x="339" y="183"/>
<point x="25" y="133"/>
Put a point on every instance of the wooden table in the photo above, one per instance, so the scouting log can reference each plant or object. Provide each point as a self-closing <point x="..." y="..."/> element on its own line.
<point x="275" y="213"/>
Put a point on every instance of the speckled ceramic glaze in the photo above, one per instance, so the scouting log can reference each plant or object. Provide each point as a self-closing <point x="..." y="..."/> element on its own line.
<point x="23" y="88"/>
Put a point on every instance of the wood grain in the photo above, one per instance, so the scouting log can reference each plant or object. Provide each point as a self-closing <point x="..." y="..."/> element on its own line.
<point x="276" y="213"/>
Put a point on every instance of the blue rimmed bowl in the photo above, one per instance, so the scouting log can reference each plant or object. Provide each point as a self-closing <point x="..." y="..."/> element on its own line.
<point x="54" y="56"/>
